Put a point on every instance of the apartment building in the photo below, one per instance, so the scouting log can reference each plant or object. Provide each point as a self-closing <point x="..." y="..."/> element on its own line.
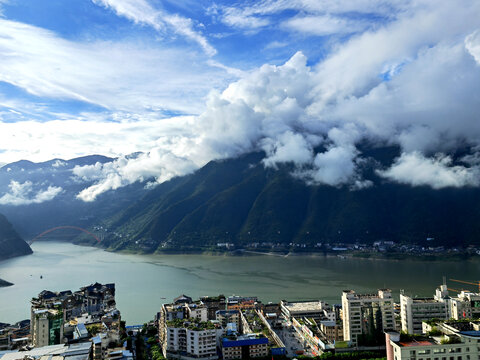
<point x="413" y="311"/>
<point x="228" y="316"/>
<point x="46" y="327"/>
<point x="186" y="339"/>
<point x="452" y="341"/>
<point x="197" y="311"/>
<point x="367" y="316"/>
<point x="245" y="347"/>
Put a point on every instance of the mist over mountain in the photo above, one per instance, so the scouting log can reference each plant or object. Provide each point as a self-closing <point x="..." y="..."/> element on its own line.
<point x="241" y="201"/>
<point x="39" y="196"/>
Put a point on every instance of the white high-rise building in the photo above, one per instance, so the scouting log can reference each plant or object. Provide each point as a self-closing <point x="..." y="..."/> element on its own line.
<point x="366" y="317"/>
<point x="415" y="310"/>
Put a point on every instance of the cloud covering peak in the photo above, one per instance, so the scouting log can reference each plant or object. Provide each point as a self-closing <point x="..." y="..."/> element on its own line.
<point x="405" y="80"/>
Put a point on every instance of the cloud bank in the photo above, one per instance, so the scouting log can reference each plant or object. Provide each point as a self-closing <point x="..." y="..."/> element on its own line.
<point x="410" y="81"/>
<point x="393" y="86"/>
<point x="25" y="194"/>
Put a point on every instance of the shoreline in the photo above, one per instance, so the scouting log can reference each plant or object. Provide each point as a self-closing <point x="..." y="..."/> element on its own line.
<point x="364" y="255"/>
<point x="284" y="254"/>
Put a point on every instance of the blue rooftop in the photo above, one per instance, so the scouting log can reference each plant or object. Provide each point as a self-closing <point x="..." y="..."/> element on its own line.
<point x="226" y="343"/>
<point x="470" y="333"/>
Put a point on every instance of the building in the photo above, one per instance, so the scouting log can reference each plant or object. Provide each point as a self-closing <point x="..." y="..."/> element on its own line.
<point x="213" y="304"/>
<point x="309" y="330"/>
<point x="465" y="306"/>
<point x="241" y="302"/>
<point x="331" y="330"/>
<point x="413" y="311"/>
<point x="185" y="338"/>
<point x="317" y="310"/>
<point x="81" y="351"/>
<point x="197" y="311"/>
<point x="46" y="327"/>
<point x="366" y="317"/>
<point x="185" y="332"/>
<point x="66" y="316"/>
<point x="228" y="316"/>
<point x="244" y="347"/>
<point x="451" y="341"/>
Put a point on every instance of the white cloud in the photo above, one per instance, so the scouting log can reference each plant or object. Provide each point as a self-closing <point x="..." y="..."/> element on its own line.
<point x="310" y="16"/>
<point x="323" y="25"/>
<point x="92" y="134"/>
<point x="416" y="170"/>
<point x="335" y="166"/>
<point x="140" y="11"/>
<point x="127" y="76"/>
<point x="237" y="18"/>
<point x="472" y="44"/>
<point x="391" y="85"/>
<point x="24" y="194"/>
<point x="157" y="165"/>
<point x="290" y="110"/>
<point x="288" y="147"/>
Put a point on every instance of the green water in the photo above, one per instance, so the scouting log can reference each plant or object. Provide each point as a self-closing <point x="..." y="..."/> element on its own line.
<point x="144" y="282"/>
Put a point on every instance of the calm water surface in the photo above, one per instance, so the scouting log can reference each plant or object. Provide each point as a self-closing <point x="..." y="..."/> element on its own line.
<point x="144" y="282"/>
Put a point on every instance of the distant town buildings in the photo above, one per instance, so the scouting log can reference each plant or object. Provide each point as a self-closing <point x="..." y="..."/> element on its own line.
<point x="66" y="325"/>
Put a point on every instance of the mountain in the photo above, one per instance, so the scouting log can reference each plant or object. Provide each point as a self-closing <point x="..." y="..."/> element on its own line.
<point x="240" y="201"/>
<point x="22" y="181"/>
<point x="11" y="244"/>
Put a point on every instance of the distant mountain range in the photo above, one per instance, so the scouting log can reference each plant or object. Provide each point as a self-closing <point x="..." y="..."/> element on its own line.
<point x="240" y="201"/>
<point x="24" y="179"/>
<point x="11" y="244"/>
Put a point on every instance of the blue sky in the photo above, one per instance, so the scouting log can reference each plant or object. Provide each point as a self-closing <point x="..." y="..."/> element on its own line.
<point x="188" y="81"/>
<point x="210" y="35"/>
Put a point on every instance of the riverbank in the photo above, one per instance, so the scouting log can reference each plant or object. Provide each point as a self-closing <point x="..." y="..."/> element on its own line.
<point x="446" y="255"/>
<point x="459" y="256"/>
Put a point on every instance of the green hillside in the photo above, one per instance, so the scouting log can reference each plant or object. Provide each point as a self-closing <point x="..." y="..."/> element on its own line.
<point x="239" y="201"/>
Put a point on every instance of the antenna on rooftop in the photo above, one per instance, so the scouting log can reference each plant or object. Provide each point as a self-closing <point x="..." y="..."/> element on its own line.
<point x="444" y="280"/>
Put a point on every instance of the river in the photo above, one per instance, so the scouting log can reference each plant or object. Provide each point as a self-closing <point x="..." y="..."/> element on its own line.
<point x="144" y="282"/>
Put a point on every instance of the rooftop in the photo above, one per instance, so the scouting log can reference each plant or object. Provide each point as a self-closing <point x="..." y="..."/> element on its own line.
<point x="301" y="306"/>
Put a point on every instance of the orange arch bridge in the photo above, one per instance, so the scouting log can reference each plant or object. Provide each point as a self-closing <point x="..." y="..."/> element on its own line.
<point x="64" y="227"/>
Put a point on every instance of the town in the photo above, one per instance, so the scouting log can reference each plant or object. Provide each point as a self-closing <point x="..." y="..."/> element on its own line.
<point x="86" y="325"/>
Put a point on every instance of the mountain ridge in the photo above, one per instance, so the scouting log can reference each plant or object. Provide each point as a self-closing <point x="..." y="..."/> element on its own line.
<point x="241" y="202"/>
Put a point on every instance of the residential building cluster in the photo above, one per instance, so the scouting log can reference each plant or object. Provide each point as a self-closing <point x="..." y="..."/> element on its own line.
<point x="86" y="325"/>
<point x="80" y="325"/>
<point x="209" y="328"/>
